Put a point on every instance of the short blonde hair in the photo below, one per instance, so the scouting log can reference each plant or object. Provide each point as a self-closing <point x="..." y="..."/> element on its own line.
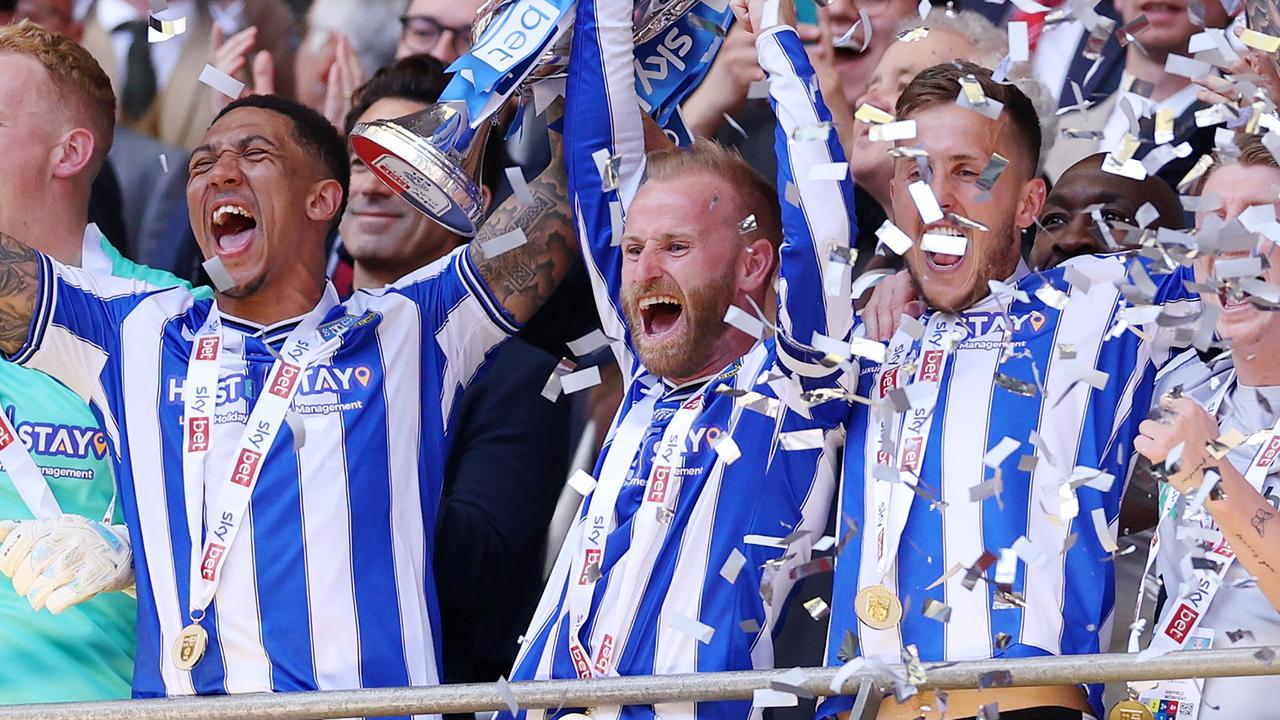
<point x="734" y="174"/>
<point x="80" y="86"/>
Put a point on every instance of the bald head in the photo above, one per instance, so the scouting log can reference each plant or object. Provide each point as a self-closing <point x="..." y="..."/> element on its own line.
<point x="1067" y="225"/>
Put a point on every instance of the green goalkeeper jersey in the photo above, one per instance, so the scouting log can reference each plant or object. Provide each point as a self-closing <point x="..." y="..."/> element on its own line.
<point x="87" y="652"/>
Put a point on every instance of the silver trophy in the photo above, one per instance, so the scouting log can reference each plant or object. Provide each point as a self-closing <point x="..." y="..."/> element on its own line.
<point x="431" y="157"/>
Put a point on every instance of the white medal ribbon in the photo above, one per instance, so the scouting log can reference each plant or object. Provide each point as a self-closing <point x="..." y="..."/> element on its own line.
<point x="661" y="490"/>
<point x="891" y="503"/>
<point x="1190" y="607"/>
<point x="25" y="474"/>
<point x="229" y="501"/>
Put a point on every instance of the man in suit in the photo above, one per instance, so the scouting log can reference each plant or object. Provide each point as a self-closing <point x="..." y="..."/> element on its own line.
<point x="1146" y="89"/>
<point x="158" y="89"/>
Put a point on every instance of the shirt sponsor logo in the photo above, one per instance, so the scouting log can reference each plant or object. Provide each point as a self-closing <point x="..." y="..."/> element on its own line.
<point x="592" y="558"/>
<point x="316" y="380"/>
<point x="658" y="484"/>
<point x="198" y="433"/>
<point x="286" y="377"/>
<point x="246" y="468"/>
<point x="207" y="347"/>
<point x="1184" y="618"/>
<point x="79" y="442"/>
<point x="212" y="559"/>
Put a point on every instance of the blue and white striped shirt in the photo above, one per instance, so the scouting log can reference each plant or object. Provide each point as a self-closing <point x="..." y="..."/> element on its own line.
<point x="329" y="586"/>
<point x="695" y="608"/>
<point x="1067" y="591"/>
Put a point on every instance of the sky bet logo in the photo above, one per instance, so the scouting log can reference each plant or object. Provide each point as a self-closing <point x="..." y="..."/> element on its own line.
<point x="246" y="467"/>
<point x="285" y="379"/>
<point x="56" y="439"/>
<point x="316" y="380"/>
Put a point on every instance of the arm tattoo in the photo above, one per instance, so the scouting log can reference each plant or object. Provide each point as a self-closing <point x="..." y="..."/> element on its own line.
<point x="524" y="277"/>
<point x="19" y="283"/>
<point x="1263" y="16"/>
<point x="1259" y="521"/>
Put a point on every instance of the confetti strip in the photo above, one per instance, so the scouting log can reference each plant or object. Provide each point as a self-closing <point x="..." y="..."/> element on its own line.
<point x="893" y="238"/>
<point x="925" y="201"/>
<point x="893" y="132"/>
<point x="740" y="319"/>
<point x="589" y="343"/>
<point x="218" y="274"/>
<point x="1019" y="43"/>
<point x="727" y="449"/>
<point x="519" y="187"/>
<point x="732" y="566"/>
<point x="222" y="82"/>
<point x="689" y="626"/>
<point x="582" y="482"/>
<point x="580" y="380"/>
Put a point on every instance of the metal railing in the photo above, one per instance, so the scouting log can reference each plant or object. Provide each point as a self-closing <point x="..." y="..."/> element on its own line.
<point x="648" y="689"/>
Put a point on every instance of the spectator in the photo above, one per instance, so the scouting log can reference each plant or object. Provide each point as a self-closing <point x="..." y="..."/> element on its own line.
<point x="157" y="81"/>
<point x="946" y="37"/>
<point x="136" y="190"/>
<point x="439" y="28"/>
<point x="345" y="43"/>
<point x="1068" y="227"/>
<point x="1235" y="392"/>
<point x="57" y="113"/>
<point x="1146" y="90"/>
<point x="511" y="453"/>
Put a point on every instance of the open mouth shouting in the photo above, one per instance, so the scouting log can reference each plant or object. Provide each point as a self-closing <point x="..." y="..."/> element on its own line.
<point x="234" y="228"/>
<point x="944" y="247"/>
<point x="660" y="315"/>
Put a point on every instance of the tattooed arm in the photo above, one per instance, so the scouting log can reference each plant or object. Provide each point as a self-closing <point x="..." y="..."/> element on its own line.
<point x="524" y="277"/>
<point x="19" y="287"/>
<point x="1248" y="522"/>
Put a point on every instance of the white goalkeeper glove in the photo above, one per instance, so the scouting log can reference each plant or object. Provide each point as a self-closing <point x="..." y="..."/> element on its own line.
<point x="60" y="561"/>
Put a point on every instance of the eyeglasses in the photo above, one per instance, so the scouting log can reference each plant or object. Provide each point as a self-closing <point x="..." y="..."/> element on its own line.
<point x="421" y="34"/>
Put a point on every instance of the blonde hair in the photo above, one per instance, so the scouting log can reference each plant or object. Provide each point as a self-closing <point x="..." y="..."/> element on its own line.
<point x="707" y="157"/>
<point x="80" y="86"/>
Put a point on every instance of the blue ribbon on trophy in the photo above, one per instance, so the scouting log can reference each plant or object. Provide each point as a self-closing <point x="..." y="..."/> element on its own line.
<point x="429" y="157"/>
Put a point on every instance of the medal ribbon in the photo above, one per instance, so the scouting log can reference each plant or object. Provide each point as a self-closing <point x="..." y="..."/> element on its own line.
<point x="891" y="502"/>
<point x="661" y="490"/>
<point x="230" y="499"/>
<point x="24" y="473"/>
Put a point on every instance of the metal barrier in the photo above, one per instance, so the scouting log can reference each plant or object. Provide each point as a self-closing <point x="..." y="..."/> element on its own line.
<point x="643" y="690"/>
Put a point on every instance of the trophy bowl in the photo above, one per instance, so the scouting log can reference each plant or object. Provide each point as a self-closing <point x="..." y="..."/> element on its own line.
<point x="431" y="157"/>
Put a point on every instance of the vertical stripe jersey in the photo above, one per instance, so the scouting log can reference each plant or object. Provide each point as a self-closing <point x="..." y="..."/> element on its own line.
<point x="709" y="495"/>
<point x="1021" y="468"/>
<point x="329" y="582"/>
<point x="86" y="652"/>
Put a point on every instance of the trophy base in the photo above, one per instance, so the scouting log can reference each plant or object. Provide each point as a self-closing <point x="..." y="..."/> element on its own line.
<point x="420" y="173"/>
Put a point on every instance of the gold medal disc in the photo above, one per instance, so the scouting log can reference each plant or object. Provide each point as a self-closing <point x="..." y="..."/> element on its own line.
<point x="1130" y="710"/>
<point x="877" y="607"/>
<point x="190" y="647"/>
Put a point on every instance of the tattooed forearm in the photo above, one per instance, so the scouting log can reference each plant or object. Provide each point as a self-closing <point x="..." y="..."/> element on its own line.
<point x="19" y="283"/>
<point x="1263" y="16"/>
<point x="524" y="277"/>
<point x="1259" y="521"/>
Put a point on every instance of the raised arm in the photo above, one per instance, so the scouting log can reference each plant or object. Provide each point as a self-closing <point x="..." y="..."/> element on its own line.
<point x="603" y="122"/>
<point x="817" y="213"/>
<point x="19" y="287"/>
<point x="524" y="277"/>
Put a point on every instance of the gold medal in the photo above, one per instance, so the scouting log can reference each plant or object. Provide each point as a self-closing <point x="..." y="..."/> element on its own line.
<point x="877" y="607"/>
<point x="190" y="647"/>
<point x="1130" y="710"/>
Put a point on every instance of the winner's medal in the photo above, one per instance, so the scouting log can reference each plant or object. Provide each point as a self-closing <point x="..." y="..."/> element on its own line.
<point x="877" y="607"/>
<point x="1130" y="710"/>
<point x="190" y="646"/>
